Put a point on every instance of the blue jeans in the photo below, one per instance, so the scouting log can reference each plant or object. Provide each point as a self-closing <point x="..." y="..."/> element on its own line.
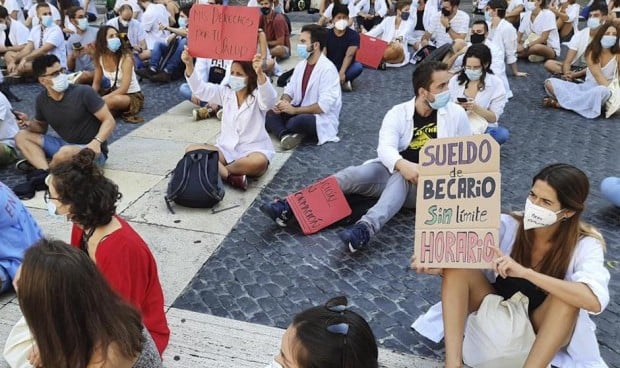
<point x="499" y="133"/>
<point x="610" y="188"/>
<point x="283" y="124"/>
<point x="186" y="92"/>
<point x="174" y="62"/>
<point x="353" y="71"/>
<point x="52" y="144"/>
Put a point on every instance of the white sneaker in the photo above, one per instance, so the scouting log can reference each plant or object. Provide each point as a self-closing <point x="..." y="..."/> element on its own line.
<point x="219" y="114"/>
<point x="290" y="141"/>
<point x="347" y="87"/>
<point x="536" y="58"/>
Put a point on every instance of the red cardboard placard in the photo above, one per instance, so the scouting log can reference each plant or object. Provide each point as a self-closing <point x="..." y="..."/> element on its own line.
<point x="371" y="51"/>
<point x="223" y="32"/>
<point x="319" y="205"/>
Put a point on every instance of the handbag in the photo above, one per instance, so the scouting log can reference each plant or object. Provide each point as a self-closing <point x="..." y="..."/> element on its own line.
<point x="612" y="105"/>
<point x="499" y="334"/>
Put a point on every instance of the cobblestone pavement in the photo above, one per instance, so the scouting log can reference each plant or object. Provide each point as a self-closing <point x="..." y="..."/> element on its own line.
<point x="265" y="274"/>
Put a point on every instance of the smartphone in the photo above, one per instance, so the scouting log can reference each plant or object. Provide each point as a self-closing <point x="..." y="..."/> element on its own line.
<point x="77" y="45"/>
<point x="461" y="99"/>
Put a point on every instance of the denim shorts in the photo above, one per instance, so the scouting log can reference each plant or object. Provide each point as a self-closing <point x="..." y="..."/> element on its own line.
<point x="52" y="144"/>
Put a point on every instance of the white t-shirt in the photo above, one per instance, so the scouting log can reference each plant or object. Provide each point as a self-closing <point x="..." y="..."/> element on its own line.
<point x="18" y="34"/>
<point x="545" y="21"/>
<point x="579" y="42"/>
<point x="573" y="15"/>
<point x="32" y="12"/>
<point x="154" y="15"/>
<point x="8" y="125"/>
<point x="51" y="35"/>
<point x="459" y="24"/>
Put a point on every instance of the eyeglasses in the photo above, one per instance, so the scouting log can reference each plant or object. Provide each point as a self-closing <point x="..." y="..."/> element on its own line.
<point x="47" y="196"/>
<point x="55" y="73"/>
<point x="339" y="305"/>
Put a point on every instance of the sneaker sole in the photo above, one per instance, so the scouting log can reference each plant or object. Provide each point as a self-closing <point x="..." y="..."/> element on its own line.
<point x="267" y="211"/>
<point x="24" y="166"/>
<point x="290" y="142"/>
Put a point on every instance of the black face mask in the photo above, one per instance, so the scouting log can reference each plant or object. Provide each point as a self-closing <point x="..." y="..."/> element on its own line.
<point x="404" y="16"/>
<point x="476" y="38"/>
<point x="445" y="12"/>
<point x="265" y="11"/>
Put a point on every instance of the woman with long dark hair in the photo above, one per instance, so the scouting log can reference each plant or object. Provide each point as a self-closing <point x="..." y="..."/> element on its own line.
<point x="603" y="59"/>
<point x="76" y="319"/>
<point x="548" y="254"/>
<point x="114" y="60"/>
<point x="480" y="93"/>
<point x="244" y="146"/>
<point x="538" y="38"/>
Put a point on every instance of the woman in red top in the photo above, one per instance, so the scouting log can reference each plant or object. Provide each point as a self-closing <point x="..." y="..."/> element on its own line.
<point x="79" y="190"/>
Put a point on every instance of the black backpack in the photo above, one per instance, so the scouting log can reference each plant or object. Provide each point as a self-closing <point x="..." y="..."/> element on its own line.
<point x="196" y="182"/>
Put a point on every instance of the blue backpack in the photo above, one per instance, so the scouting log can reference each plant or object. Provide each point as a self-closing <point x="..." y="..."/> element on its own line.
<point x="195" y="181"/>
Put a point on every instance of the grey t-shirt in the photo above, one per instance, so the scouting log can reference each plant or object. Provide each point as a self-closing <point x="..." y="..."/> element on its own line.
<point x="73" y="117"/>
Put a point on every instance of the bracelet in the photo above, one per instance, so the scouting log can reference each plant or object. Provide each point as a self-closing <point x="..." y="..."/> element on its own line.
<point x="98" y="140"/>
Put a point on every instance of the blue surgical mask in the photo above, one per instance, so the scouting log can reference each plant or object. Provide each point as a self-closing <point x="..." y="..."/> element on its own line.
<point x="51" y="209"/>
<point x="441" y="100"/>
<point x="302" y="51"/>
<point x="114" y="44"/>
<point x="487" y="16"/>
<point x="82" y="24"/>
<point x="182" y="22"/>
<point x="47" y="21"/>
<point x="608" y="41"/>
<point x="473" y="75"/>
<point x="593" y="23"/>
<point x="236" y="83"/>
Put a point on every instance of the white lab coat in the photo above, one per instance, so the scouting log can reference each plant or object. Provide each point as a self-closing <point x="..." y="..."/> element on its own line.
<point x="586" y="266"/>
<point x="545" y="21"/>
<point x="18" y="34"/>
<point x="243" y="127"/>
<point x="386" y="30"/>
<point x="363" y="6"/>
<point x="432" y="8"/>
<point x="492" y="97"/>
<point x="497" y="64"/>
<point x="397" y="130"/>
<point x="579" y="42"/>
<point x="8" y="125"/>
<point x="505" y="36"/>
<point x="323" y="88"/>
<point x="153" y="16"/>
<point x="135" y="32"/>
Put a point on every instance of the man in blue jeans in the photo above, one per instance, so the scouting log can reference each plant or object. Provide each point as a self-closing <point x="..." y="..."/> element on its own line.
<point x="393" y="176"/>
<point x="77" y="114"/>
<point x="342" y="44"/>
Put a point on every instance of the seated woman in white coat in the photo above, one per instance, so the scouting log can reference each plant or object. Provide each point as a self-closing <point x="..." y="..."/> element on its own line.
<point x="395" y="30"/>
<point x="371" y="13"/>
<point x="480" y="93"/>
<point x="538" y="38"/>
<point x="603" y="60"/>
<point x="244" y="146"/>
<point x="310" y="106"/>
<point x="546" y="253"/>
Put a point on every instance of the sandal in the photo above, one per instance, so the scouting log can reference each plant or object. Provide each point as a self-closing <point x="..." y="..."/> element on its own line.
<point x="551" y="102"/>
<point x="133" y="119"/>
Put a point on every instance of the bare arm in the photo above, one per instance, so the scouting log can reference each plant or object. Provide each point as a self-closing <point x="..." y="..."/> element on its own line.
<point x="576" y="294"/>
<point x="348" y="59"/>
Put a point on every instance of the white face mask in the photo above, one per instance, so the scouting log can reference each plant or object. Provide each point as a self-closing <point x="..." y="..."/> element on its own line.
<point x="530" y="5"/>
<point x="341" y="25"/>
<point x="60" y="83"/>
<point x="236" y="83"/>
<point x="536" y="216"/>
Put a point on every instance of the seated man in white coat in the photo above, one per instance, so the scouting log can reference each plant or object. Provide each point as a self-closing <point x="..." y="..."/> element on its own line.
<point x="13" y="34"/>
<point x="393" y="175"/>
<point x="310" y="105"/>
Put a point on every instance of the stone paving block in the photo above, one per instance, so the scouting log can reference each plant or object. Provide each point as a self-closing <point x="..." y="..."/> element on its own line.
<point x="131" y="184"/>
<point x="146" y="155"/>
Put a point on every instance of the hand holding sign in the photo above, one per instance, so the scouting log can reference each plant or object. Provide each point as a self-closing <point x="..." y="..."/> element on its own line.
<point x="421" y="269"/>
<point x="505" y="266"/>
<point x="257" y="64"/>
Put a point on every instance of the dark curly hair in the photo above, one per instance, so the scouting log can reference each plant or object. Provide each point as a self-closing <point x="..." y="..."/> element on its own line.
<point x="80" y="183"/>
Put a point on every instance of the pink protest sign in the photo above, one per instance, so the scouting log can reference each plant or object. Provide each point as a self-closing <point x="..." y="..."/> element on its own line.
<point x="223" y="32"/>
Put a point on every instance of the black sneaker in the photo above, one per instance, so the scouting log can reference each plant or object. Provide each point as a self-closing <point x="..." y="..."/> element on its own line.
<point x="24" y="190"/>
<point x="279" y="211"/>
<point x="355" y="236"/>
<point x="37" y="178"/>
<point x="24" y="165"/>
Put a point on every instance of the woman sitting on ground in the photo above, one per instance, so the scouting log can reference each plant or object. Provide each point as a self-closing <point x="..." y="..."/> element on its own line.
<point x="395" y="30"/>
<point x="328" y="336"/>
<point x="603" y="59"/>
<point x="79" y="190"/>
<point x="84" y="322"/>
<point x="538" y="38"/>
<point x="244" y="146"/>
<point x="114" y="60"/>
<point x="552" y="257"/>
<point x="480" y="93"/>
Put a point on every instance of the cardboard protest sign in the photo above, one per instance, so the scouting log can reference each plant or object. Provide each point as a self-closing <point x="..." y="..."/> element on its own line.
<point x="223" y="32"/>
<point x="319" y="205"/>
<point x="458" y="202"/>
<point x="371" y="51"/>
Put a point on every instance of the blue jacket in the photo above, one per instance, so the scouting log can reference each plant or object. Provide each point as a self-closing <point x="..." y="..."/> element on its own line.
<point x="18" y="231"/>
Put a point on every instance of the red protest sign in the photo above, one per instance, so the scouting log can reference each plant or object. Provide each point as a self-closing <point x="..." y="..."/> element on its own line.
<point x="223" y="32"/>
<point x="319" y="205"/>
<point x="371" y="51"/>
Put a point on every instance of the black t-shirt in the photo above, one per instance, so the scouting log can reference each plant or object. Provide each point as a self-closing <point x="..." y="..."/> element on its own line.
<point x="419" y="26"/>
<point x="217" y="71"/>
<point x="73" y="117"/>
<point x="337" y="46"/>
<point x="424" y="129"/>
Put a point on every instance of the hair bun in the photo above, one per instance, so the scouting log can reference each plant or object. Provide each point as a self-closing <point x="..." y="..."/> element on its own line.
<point x="84" y="160"/>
